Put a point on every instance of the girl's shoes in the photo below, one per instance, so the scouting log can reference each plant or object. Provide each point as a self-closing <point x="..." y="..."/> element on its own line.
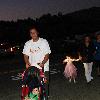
<point x="70" y="80"/>
<point x="74" y="81"/>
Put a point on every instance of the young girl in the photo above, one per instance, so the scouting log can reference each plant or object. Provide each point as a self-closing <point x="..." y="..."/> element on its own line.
<point x="70" y="70"/>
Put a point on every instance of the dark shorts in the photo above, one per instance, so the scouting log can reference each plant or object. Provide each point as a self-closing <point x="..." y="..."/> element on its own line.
<point x="47" y="75"/>
<point x="97" y="63"/>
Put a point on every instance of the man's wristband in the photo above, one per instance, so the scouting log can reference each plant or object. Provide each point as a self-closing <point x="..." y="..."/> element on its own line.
<point x="43" y="62"/>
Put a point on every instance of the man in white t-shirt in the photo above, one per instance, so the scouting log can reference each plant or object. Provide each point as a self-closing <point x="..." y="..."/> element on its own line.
<point x="36" y="53"/>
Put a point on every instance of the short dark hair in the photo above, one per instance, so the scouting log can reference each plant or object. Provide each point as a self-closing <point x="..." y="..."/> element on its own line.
<point x="34" y="27"/>
<point x="87" y="35"/>
<point x="98" y="34"/>
<point x="31" y="78"/>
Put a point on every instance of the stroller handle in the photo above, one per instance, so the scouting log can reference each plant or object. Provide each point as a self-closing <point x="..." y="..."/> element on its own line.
<point x="37" y="66"/>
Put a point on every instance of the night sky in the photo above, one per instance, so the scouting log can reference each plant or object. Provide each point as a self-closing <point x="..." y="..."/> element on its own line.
<point x="20" y="9"/>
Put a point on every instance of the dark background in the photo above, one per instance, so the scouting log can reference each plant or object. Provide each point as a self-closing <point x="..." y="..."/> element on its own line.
<point x="86" y="21"/>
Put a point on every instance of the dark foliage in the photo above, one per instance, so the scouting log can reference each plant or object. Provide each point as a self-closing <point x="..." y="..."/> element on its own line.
<point x="52" y="26"/>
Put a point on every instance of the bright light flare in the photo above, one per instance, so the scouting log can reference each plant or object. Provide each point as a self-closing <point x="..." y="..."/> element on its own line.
<point x="11" y="49"/>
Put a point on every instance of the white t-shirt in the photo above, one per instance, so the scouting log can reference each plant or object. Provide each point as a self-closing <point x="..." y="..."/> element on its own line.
<point x="37" y="51"/>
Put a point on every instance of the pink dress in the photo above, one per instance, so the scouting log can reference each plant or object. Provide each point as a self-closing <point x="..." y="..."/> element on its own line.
<point x="70" y="70"/>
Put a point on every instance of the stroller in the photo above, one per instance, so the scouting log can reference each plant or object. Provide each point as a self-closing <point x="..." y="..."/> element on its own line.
<point x="33" y="78"/>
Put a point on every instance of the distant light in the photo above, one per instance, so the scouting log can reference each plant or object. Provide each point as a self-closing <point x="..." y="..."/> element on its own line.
<point x="11" y="49"/>
<point x="1" y="44"/>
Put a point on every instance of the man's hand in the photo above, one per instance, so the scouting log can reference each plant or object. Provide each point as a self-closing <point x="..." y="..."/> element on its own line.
<point x="80" y="58"/>
<point x="41" y="65"/>
<point x="28" y="65"/>
<point x="44" y="61"/>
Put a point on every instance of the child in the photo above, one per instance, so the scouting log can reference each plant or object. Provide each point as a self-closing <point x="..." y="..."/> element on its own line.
<point x="30" y="84"/>
<point x="70" y="70"/>
<point x="33" y="95"/>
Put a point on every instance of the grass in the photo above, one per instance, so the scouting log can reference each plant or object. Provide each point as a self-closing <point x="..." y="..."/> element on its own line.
<point x="60" y="88"/>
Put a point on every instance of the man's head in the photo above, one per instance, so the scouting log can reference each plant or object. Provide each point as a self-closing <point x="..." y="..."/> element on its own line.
<point x="98" y="37"/>
<point x="34" y="33"/>
<point x="87" y="38"/>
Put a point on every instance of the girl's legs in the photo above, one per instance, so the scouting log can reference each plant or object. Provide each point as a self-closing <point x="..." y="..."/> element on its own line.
<point x="74" y="79"/>
<point x="70" y="79"/>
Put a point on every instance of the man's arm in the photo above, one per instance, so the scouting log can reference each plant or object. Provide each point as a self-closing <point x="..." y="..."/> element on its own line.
<point x="26" y="59"/>
<point x="46" y="51"/>
<point x="44" y="61"/>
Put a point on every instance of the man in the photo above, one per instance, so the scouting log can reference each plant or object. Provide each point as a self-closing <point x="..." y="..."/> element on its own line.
<point x="36" y="51"/>
<point x="86" y="53"/>
<point x="97" y="53"/>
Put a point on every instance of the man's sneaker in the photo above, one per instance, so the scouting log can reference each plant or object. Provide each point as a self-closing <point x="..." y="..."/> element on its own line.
<point x="92" y="78"/>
